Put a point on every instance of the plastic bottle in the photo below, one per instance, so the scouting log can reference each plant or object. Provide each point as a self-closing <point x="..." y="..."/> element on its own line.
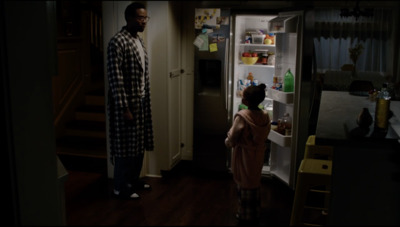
<point x="272" y="37"/>
<point x="288" y="82"/>
<point x="247" y="38"/>
<point x="250" y="77"/>
<point x="382" y="108"/>
<point x="270" y="109"/>
<point x="274" y="82"/>
<point x="280" y="126"/>
<point x="274" y="125"/>
<point x="287" y="121"/>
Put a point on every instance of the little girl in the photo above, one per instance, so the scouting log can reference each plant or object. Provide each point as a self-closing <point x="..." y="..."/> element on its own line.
<point x="248" y="136"/>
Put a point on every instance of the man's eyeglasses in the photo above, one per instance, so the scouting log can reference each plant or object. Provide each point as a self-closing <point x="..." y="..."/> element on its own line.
<point x="145" y="19"/>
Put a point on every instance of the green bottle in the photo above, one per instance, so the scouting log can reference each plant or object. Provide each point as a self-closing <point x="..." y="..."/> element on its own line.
<point x="288" y="82"/>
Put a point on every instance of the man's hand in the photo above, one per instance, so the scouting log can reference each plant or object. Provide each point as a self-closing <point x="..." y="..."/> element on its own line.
<point x="128" y="114"/>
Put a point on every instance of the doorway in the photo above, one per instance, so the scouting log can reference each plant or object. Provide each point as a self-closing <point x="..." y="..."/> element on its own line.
<point x="78" y="87"/>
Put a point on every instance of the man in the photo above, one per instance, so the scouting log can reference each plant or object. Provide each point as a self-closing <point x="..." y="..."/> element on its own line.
<point x="129" y="107"/>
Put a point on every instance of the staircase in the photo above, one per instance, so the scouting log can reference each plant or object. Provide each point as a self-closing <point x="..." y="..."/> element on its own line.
<point x="83" y="147"/>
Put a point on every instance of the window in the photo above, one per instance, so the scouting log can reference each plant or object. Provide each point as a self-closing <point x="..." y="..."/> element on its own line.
<point x="334" y="36"/>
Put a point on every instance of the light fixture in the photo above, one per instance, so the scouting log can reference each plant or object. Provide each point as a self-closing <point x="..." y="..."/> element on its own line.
<point x="356" y="12"/>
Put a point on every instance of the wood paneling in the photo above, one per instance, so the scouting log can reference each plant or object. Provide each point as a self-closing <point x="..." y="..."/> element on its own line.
<point x="80" y="61"/>
<point x="69" y="80"/>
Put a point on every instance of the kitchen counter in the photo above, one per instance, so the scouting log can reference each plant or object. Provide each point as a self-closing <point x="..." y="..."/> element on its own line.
<point x="338" y="114"/>
<point x="366" y="167"/>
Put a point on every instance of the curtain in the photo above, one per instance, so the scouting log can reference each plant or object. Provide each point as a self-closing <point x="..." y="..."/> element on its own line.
<point x="334" y="35"/>
<point x="396" y="49"/>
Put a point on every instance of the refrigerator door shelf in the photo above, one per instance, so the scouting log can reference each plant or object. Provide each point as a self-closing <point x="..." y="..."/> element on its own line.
<point x="281" y="140"/>
<point x="280" y="96"/>
<point x="283" y="24"/>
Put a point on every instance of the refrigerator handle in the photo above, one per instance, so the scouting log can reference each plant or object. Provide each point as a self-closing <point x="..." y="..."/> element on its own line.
<point x="226" y="73"/>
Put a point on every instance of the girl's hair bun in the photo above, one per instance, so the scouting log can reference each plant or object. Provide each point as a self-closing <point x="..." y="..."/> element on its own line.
<point x="262" y="86"/>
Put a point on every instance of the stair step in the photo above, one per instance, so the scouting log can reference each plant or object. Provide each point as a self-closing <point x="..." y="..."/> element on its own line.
<point x="82" y="146"/>
<point x="82" y="152"/>
<point x="85" y="133"/>
<point x="82" y="142"/>
<point x="90" y="113"/>
<point x="84" y="163"/>
<point x="97" y="92"/>
<point x="86" y="129"/>
<point x="95" y="97"/>
<point x="95" y="100"/>
<point x="86" y="125"/>
<point x="91" y="109"/>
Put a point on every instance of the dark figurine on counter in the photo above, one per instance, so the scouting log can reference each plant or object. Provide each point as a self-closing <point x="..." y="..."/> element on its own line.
<point x="364" y="119"/>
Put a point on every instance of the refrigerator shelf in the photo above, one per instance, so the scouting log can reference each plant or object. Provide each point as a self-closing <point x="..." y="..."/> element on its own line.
<point x="256" y="45"/>
<point x="280" y="96"/>
<point x="257" y="65"/>
<point x="281" y="140"/>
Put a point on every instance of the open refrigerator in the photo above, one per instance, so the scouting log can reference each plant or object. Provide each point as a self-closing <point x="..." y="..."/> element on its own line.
<point x="282" y="155"/>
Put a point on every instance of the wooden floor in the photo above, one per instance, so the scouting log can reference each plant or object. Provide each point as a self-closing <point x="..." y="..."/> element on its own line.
<point x="182" y="197"/>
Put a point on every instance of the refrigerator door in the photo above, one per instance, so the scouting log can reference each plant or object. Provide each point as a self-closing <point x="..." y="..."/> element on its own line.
<point x="289" y="42"/>
<point x="292" y="49"/>
<point x="210" y="100"/>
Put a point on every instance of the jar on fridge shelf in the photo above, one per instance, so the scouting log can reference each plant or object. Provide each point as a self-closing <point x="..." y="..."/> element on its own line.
<point x="274" y="82"/>
<point x="271" y="58"/>
<point x="279" y="84"/>
<point x="274" y="125"/>
<point x="250" y="77"/>
<point x="270" y="109"/>
<point x="255" y="83"/>
<point x="281" y="127"/>
<point x="272" y="37"/>
<point x="247" y="38"/>
<point x="267" y="41"/>
<point x="259" y="55"/>
<point x="264" y="59"/>
<point x="287" y="122"/>
<point x="240" y="88"/>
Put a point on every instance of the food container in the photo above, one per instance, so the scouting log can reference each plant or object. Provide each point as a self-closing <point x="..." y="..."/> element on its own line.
<point x="258" y="38"/>
<point x="271" y="58"/>
<point x="247" y="38"/>
<point x="264" y="59"/>
<point x="249" y="60"/>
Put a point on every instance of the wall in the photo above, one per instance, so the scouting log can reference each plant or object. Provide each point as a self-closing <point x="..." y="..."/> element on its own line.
<point x="30" y="61"/>
<point x="158" y="11"/>
<point x="188" y="36"/>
